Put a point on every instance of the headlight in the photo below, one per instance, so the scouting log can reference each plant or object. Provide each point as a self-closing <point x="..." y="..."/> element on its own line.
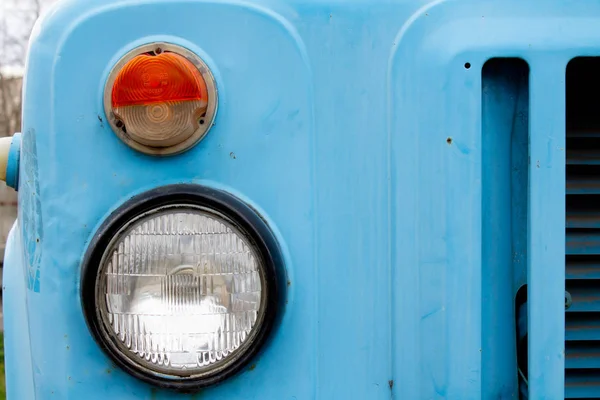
<point x="180" y="288"/>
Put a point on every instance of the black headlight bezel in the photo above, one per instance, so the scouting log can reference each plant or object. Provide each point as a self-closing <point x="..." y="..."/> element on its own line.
<point x="249" y="223"/>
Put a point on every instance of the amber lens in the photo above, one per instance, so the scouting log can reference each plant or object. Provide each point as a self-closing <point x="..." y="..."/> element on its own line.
<point x="159" y="99"/>
<point x="149" y="78"/>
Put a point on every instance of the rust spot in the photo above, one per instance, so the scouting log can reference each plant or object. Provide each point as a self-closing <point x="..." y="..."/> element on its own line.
<point x="449" y="140"/>
<point x="289" y="283"/>
<point x="252" y="367"/>
<point x="108" y="371"/>
<point x="391" y="383"/>
<point x="232" y="155"/>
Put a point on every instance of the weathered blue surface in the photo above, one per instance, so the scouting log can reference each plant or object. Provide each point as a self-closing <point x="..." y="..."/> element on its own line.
<point x="357" y="129"/>
<point x="12" y="162"/>
<point x="504" y="166"/>
<point x="17" y="351"/>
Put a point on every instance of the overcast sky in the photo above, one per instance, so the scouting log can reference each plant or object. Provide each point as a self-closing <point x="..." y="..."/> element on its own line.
<point x="16" y="20"/>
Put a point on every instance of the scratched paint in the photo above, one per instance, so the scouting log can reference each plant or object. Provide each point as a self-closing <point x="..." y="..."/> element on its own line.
<point x="30" y="210"/>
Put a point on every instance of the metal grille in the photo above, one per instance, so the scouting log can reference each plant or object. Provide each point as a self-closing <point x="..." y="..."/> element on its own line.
<point x="582" y="334"/>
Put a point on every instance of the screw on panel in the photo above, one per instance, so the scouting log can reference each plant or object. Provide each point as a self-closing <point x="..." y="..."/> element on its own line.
<point x="568" y="300"/>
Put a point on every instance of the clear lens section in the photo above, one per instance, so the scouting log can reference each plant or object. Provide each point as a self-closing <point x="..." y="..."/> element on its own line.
<point x="162" y="124"/>
<point x="181" y="291"/>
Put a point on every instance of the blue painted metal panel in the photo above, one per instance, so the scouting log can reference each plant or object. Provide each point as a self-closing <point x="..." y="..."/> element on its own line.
<point x="75" y="171"/>
<point x="504" y="130"/>
<point x="356" y="128"/>
<point x="546" y="263"/>
<point x="17" y="349"/>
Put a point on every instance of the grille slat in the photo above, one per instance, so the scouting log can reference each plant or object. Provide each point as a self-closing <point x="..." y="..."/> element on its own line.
<point x="583" y="133"/>
<point x="583" y="157"/>
<point x="582" y="326"/>
<point x="583" y="242"/>
<point x="585" y="295"/>
<point x="583" y="219"/>
<point x="582" y="384"/>
<point x="582" y="185"/>
<point x="582" y="355"/>
<point x="582" y="268"/>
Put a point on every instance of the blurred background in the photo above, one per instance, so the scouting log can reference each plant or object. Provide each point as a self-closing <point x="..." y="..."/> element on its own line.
<point x="17" y="18"/>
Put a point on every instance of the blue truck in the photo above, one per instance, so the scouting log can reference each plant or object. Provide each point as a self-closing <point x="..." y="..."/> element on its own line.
<point x="306" y="199"/>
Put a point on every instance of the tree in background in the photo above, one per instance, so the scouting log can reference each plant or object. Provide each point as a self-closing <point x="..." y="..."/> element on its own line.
<point x="10" y="104"/>
<point x="16" y="22"/>
<point x="17" y="18"/>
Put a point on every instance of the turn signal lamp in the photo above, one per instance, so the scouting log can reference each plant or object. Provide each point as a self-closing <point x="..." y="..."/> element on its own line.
<point x="161" y="99"/>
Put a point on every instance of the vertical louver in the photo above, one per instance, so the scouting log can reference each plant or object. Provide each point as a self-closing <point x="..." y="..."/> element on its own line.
<point x="582" y="336"/>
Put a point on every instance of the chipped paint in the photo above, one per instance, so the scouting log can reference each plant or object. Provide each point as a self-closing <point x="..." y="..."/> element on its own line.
<point x="30" y="210"/>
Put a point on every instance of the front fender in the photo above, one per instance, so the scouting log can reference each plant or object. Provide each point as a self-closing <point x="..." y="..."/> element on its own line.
<point x="17" y="350"/>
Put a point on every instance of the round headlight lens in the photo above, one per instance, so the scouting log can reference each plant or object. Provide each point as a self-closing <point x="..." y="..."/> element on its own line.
<point x="180" y="291"/>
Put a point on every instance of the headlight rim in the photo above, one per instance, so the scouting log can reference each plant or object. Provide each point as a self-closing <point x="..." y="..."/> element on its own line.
<point x="254" y="228"/>
<point x="110" y="336"/>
